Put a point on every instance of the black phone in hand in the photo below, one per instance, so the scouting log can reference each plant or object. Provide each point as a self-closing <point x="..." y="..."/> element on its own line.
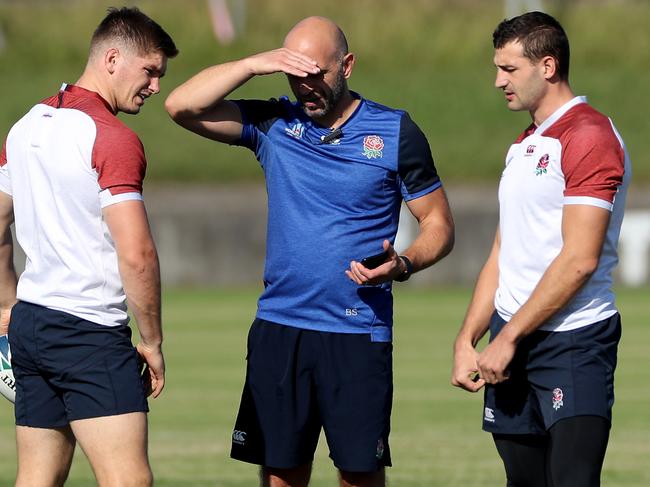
<point x="374" y="260"/>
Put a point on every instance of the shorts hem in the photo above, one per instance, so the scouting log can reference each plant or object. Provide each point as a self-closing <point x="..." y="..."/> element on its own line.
<point x="270" y="464"/>
<point x="357" y="469"/>
<point x="107" y="414"/>
<point x="63" y="424"/>
<point x="38" y="424"/>
<point x="537" y="431"/>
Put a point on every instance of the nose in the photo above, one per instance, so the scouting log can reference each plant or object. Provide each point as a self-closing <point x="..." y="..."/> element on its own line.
<point x="154" y="85"/>
<point x="500" y="81"/>
<point x="304" y="87"/>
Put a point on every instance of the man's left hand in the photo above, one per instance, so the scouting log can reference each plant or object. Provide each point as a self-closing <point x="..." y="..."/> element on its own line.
<point x="389" y="270"/>
<point x="493" y="361"/>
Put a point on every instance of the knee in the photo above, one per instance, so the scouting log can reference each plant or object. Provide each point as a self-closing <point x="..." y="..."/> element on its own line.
<point x="363" y="479"/>
<point x="142" y="478"/>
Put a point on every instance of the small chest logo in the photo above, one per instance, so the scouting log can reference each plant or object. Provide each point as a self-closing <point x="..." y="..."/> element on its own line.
<point x="295" y="131"/>
<point x="558" y="397"/>
<point x="373" y="146"/>
<point x="542" y="165"/>
<point x="529" y="150"/>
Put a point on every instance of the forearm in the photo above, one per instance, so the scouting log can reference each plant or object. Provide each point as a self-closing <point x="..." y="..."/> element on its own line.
<point x="436" y="230"/>
<point x="207" y="89"/>
<point x="434" y="241"/>
<point x="481" y="307"/>
<point x="8" y="278"/>
<point x="141" y="281"/>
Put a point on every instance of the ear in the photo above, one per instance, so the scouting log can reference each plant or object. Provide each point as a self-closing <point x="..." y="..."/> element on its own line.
<point x="549" y="65"/>
<point x="111" y="58"/>
<point x="348" y="64"/>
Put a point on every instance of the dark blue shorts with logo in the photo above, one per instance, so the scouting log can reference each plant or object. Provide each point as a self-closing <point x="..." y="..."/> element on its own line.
<point x="553" y="376"/>
<point x="299" y="381"/>
<point x="67" y="368"/>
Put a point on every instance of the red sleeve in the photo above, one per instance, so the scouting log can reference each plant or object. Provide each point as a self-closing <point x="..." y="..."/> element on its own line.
<point x="593" y="161"/>
<point x="118" y="158"/>
<point x="3" y="155"/>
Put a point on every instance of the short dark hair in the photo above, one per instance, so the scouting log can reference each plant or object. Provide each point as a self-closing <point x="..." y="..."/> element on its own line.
<point x="540" y="35"/>
<point x="136" y="29"/>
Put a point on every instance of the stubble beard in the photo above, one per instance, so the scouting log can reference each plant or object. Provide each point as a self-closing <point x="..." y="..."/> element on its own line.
<point x="332" y="99"/>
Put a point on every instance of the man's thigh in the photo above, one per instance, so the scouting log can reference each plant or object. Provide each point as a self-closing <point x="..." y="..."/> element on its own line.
<point x="116" y="447"/>
<point x="68" y="368"/>
<point x="44" y="455"/>
<point x="355" y="393"/>
<point x="572" y="372"/>
<point x="555" y="376"/>
<point x="299" y="380"/>
<point x="278" y="422"/>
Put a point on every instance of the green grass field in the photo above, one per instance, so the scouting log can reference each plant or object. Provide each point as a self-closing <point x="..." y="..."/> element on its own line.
<point x="430" y="57"/>
<point x="436" y="439"/>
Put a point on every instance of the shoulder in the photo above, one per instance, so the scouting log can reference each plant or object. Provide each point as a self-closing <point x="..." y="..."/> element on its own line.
<point x="583" y="124"/>
<point x="374" y="109"/>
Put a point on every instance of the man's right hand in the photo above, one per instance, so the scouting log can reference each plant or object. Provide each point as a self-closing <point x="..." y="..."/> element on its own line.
<point x="465" y="371"/>
<point x="154" y="373"/>
<point x="281" y="60"/>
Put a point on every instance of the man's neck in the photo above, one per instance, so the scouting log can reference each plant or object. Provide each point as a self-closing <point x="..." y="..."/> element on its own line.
<point x="554" y="99"/>
<point x="340" y="113"/>
<point x="90" y="82"/>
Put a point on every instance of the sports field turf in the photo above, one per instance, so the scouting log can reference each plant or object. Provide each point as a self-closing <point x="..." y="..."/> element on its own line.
<point x="436" y="439"/>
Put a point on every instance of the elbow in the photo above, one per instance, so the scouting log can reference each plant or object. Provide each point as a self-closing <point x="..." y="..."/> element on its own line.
<point x="451" y="239"/>
<point x="584" y="268"/>
<point x="140" y="260"/>
<point x="173" y="108"/>
<point x="448" y="240"/>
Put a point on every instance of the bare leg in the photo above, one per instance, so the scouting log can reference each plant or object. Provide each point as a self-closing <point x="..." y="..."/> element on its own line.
<point x="116" y="447"/>
<point x="44" y="456"/>
<point x="286" y="477"/>
<point x="363" y="479"/>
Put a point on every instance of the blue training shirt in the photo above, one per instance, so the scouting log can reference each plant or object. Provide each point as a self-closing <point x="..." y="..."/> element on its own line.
<point x="331" y="202"/>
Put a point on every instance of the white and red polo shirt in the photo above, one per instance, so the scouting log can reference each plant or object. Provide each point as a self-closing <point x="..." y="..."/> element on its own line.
<point x="64" y="161"/>
<point x="576" y="157"/>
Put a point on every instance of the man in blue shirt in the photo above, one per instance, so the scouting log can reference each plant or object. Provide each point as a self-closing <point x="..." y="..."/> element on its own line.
<point x="337" y="167"/>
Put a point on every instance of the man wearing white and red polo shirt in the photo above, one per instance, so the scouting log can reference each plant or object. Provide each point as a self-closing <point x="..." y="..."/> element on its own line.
<point x="545" y="290"/>
<point x="71" y="176"/>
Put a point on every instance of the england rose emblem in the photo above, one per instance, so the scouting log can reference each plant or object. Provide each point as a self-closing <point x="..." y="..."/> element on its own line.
<point x="558" y="398"/>
<point x="542" y="165"/>
<point x="372" y="146"/>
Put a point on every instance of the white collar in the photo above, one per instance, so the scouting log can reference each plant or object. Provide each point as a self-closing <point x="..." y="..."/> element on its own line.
<point x="555" y="116"/>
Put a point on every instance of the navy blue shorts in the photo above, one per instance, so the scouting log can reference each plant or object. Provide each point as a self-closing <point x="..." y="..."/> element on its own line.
<point x="67" y="368"/>
<point x="298" y="381"/>
<point x="553" y="376"/>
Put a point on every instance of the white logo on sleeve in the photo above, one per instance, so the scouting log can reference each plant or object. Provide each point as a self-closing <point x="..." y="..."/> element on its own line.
<point x="489" y="415"/>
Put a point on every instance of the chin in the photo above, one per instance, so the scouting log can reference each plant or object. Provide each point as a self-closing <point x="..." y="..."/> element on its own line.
<point x="131" y="110"/>
<point x="315" y="113"/>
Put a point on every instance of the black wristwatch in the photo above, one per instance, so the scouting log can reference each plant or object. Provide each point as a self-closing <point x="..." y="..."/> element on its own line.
<point x="404" y="276"/>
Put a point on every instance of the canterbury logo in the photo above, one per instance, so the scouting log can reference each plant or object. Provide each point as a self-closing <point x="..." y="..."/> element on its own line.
<point x="239" y="437"/>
